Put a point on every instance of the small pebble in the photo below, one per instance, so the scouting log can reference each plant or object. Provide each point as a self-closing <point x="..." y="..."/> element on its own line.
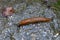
<point x="8" y="11"/>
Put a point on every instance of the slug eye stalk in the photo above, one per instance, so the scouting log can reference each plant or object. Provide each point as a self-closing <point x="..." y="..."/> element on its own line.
<point x="33" y="20"/>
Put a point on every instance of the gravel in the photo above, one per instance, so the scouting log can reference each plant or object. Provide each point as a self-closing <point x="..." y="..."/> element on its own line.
<point x="39" y="31"/>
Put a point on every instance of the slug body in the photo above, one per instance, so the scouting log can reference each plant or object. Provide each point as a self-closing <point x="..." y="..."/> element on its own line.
<point x="33" y="20"/>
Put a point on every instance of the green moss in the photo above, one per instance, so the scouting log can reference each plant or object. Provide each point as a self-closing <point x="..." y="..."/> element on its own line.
<point x="57" y="5"/>
<point x="58" y="2"/>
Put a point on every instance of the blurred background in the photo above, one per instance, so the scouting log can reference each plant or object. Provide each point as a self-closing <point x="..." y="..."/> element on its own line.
<point x="27" y="9"/>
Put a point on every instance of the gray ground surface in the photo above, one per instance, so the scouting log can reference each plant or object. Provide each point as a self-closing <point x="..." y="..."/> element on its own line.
<point x="39" y="31"/>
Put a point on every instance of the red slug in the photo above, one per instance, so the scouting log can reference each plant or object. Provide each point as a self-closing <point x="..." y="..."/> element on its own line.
<point x="33" y="20"/>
